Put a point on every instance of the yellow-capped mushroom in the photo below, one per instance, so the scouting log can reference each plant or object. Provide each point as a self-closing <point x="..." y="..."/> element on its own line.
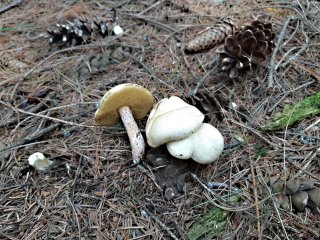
<point x="129" y="102"/>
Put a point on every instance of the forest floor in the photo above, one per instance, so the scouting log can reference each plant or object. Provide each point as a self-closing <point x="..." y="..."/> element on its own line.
<point x="49" y="94"/>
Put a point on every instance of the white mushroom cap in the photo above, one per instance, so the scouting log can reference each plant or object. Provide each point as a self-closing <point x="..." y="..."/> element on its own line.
<point x="170" y="120"/>
<point x="118" y="30"/>
<point x="39" y="161"/>
<point x="204" y="146"/>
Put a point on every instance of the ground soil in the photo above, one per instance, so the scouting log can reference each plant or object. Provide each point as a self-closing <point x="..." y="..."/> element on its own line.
<point x="49" y="94"/>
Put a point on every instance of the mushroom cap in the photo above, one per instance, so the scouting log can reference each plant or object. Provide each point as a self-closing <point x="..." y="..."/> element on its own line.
<point x="39" y="161"/>
<point x="300" y="200"/>
<point x="314" y="195"/>
<point x="170" y="120"/>
<point x="138" y="98"/>
<point x="204" y="146"/>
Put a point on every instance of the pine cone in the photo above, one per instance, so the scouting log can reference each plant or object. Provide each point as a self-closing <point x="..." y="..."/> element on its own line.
<point x="248" y="46"/>
<point x="212" y="37"/>
<point x="81" y="31"/>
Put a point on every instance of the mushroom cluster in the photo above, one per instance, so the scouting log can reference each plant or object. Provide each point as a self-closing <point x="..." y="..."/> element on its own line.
<point x="180" y="126"/>
<point x="301" y="191"/>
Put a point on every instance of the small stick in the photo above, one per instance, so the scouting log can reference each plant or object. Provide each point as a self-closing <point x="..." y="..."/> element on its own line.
<point x="35" y="109"/>
<point x="155" y="23"/>
<point x="285" y="94"/>
<point x="145" y="67"/>
<point x="221" y="186"/>
<point x="32" y="137"/>
<point x="199" y="83"/>
<point x="144" y="208"/>
<point x="311" y="72"/>
<point x="254" y="185"/>
<point x="274" y="54"/>
<point x="152" y="6"/>
<point x="256" y="133"/>
<point x="44" y="116"/>
<point x="297" y="54"/>
<point x="11" y="5"/>
<point x="312" y="125"/>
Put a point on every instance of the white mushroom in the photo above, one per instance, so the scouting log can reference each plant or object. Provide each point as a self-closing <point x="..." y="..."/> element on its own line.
<point x="170" y="120"/>
<point x="39" y="161"/>
<point x="117" y="30"/>
<point x="204" y="146"/>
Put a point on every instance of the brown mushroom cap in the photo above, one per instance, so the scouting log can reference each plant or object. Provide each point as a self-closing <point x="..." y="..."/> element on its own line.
<point x="138" y="98"/>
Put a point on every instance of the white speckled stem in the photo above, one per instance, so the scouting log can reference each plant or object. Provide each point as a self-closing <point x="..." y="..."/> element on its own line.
<point x="135" y="136"/>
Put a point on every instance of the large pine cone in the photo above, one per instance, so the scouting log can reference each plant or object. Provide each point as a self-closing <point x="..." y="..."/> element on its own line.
<point x="81" y="31"/>
<point x="248" y="46"/>
<point x="212" y="37"/>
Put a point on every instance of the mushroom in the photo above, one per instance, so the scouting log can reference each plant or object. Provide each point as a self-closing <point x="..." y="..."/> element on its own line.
<point x="292" y="186"/>
<point x="300" y="200"/>
<point x="314" y="196"/>
<point x="172" y="119"/>
<point x="129" y="102"/>
<point x="204" y="146"/>
<point x="179" y="125"/>
<point x="39" y="161"/>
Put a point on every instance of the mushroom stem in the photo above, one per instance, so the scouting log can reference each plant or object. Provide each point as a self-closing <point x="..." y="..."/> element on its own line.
<point x="134" y="134"/>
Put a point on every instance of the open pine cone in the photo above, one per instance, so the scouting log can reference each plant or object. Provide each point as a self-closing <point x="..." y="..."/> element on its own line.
<point x="81" y="31"/>
<point x="248" y="46"/>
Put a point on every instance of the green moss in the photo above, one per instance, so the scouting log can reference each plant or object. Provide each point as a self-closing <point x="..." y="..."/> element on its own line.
<point x="309" y="106"/>
<point x="261" y="151"/>
<point x="212" y="223"/>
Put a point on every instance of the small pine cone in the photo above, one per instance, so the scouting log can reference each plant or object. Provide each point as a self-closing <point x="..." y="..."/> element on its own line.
<point x="251" y="45"/>
<point x="212" y="37"/>
<point x="81" y="31"/>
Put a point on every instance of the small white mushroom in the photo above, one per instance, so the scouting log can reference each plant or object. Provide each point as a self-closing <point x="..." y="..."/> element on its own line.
<point x="204" y="146"/>
<point x="118" y="30"/>
<point x="170" y="120"/>
<point x="39" y="161"/>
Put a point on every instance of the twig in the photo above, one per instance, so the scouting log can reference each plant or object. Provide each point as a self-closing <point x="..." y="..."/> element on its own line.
<point x="44" y="116"/>
<point x="256" y="133"/>
<point x="162" y="26"/>
<point x="144" y="208"/>
<point x="275" y="51"/>
<point x="35" y="109"/>
<point x="32" y="137"/>
<point x="254" y="185"/>
<point x="74" y="48"/>
<point x="285" y="94"/>
<point x="11" y="5"/>
<point x="201" y="81"/>
<point x="311" y="72"/>
<point x="297" y="54"/>
<point x="160" y="223"/>
<point x="274" y="204"/>
<point x="235" y="209"/>
<point x="145" y="67"/>
<point x="152" y="6"/>
<point x="221" y="186"/>
<point x="312" y="125"/>
<point x="309" y="157"/>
